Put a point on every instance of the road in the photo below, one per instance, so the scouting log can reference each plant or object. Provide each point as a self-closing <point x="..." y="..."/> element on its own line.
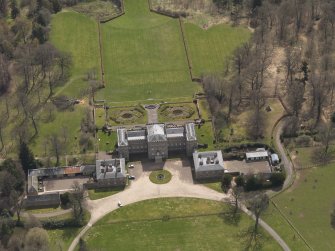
<point x="284" y="159"/>
<point x="181" y="185"/>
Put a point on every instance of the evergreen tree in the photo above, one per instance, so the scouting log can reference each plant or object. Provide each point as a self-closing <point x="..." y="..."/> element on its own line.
<point x="27" y="158"/>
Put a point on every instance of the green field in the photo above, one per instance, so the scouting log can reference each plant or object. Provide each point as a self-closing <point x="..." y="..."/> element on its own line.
<point x="158" y="225"/>
<point x="210" y="49"/>
<point x="144" y="57"/>
<point x="76" y="34"/>
<point x="308" y="204"/>
<point x="67" y="126"/>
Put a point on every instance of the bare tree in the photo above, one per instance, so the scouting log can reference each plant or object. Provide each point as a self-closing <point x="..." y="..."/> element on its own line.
<point x="77" y="198"/>
<point x="258" y="204"/>
<point x="236" y="193"/>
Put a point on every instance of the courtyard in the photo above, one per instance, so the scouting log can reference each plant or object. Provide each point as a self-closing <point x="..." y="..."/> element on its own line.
<point x="248" y="168"/>
<point x="63" y="184"/>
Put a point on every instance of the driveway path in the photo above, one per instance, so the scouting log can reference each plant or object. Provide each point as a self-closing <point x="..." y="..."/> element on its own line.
<point x="285" y="160"/>
<point x="181" y="185"/>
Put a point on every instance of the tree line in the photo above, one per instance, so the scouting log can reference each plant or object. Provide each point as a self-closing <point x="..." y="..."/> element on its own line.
<point x="303" y="30"/>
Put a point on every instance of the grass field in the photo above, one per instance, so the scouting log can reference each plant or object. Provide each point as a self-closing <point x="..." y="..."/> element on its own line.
<point x="106" y="142"/>
<point x="152" y="225"/>
<point x="273" y="217"/>
<point x="76" y="34"/>
<point x="308" y="204"/>
<point x="65" y="123"/>
<point x="144" y="57"/>
<point x="210" y="49"/>
<point x="205" y="135"/>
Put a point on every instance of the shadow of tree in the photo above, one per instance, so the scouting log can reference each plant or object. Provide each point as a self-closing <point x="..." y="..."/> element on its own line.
<point x="250" y="239"/>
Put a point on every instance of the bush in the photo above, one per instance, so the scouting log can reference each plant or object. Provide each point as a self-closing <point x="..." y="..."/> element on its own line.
<point x="65" y="199"/>
<point x="252" y="183"/>
<point x="303" y="141"/>
<point x="239" y="180"/>
<point x="277" y="179"/>
<point x="226" y="182"/>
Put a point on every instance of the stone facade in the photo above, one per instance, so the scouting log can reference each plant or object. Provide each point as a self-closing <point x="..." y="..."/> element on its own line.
<point x="111" y="172"/>
<point x="157" y="140"/>
<point x="208" y="165"/>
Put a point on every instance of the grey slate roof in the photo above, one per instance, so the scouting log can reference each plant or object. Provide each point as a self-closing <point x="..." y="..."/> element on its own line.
<point x="208" y="161"/>
<point x="190" y="132"/>
<point x="175" y="132"/>
<point x="156" y="132"/>
<point x="110" y="169"/>
<point x="136" y="135"/>
<point x="122" y="137"/>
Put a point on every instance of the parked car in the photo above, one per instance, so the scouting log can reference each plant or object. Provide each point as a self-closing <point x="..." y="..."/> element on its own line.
<point x="131" y="177"/>
<point x="120" y="204"/>
<point x="131" y="166"/>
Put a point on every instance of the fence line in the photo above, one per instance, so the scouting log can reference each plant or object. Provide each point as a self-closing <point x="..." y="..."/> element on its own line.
<point x="101" y="59"/>
<point x="291" y="225"/>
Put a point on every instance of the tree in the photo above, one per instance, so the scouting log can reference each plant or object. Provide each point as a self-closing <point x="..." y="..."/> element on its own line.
<point x="239" y="181"/>
<point x="14" y="169"/>
<point x="252" y="183"/>
<point x="27" y="158"/>
<point x="82" y="245"/>
<point x="77" y="198"/>
<point x="326" y="135"/>
<point x="56" y="147"/>
<point x="277" y="179"/>
<point x="5" y="76"/>
<point x="3" y="8"/>
<point x="236" y="193"/>
<point x="36" y="239"/>
<point x="258" y="204"/>
<point x="16" y="200"/>
<point x="226" y="182"/>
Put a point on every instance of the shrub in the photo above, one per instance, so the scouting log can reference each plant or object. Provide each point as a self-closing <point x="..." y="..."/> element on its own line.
<point x="303" y="140"/>
<point x="252" y="183"/>
<point x="277" y="179"/>
<point x="226" y="182"/>
<point x="65" y="199"/>
<point x="239" y="180"/>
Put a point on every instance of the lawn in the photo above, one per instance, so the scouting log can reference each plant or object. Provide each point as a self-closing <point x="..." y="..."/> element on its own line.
<point x="66" y="125"/>
<point x="273" y="217"/>
<point x="303" y="156"/>
<point x="205" y="112"/>
<point x="76" y="34"/>
<point x="308" y="204"/>
<point x="170" y="224"/>
<point x="205" y="135"/>
<point x="210" y="49"/>
<point x="144" y="57"/>
<point x="160" y="176"/>
<point x="61" y="239"/>
<point x="106" y="142"/>
<point x="100" y="193"/>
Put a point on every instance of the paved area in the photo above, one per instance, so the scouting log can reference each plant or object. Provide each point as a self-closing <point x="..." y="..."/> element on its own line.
<point x="181" y="185"/>
<point x="62" y="184"/>
<point x="152" y="114"/>
<point x="248" y="168"/>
